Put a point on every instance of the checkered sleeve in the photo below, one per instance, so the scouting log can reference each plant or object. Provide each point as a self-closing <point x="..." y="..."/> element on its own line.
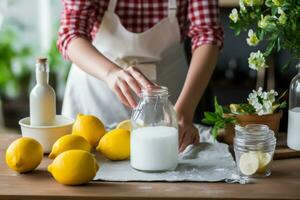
<point x="205" y="27"/>
<point x="77" y="20"/>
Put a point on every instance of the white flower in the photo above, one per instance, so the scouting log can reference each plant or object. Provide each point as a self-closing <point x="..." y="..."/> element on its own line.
<point x="265" y="22"/>
<point x="242" y="5"/>
<point x="252" y="39"/>
<point x="280" y="11"/>
<point x="257" y="61"/>
<point x="262" y="101"/>
<point x="264" y="95"/>
<point x="234" y="16"/>
<point x="259" y="91"/>
<point x="282" y="18"/>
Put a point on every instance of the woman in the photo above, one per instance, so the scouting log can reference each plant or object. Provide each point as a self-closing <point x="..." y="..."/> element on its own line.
<point x="121" y="47"/>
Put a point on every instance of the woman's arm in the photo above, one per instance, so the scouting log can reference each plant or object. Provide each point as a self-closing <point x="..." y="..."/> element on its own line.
<point x="207" y="37"/>
<point x="201" y="68"/>
<point x="75" y="35"/>
<point x="121" y="81"/>
<point x="88" y="58"/>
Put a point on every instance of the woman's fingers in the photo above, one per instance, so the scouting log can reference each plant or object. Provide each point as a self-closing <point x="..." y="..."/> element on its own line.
<point x="120" y="95"/>
<point x="181" y="136"/>
<point x="185" y="142"/>
<point x="139" y="77"/>
<point x="197" y="138"/>
<point x="124" y="81"/>
<point x="127" y="93"/>
<point x="189" y="136"/>
<point x="133" y="84"/>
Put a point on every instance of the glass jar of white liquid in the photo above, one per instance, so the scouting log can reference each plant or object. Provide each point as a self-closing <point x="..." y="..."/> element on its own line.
<point x="154" y="136"/>
<point x="293" y="136"/>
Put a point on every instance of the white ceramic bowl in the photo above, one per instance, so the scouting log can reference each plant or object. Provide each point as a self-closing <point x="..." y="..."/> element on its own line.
<point x="47" y="135"/>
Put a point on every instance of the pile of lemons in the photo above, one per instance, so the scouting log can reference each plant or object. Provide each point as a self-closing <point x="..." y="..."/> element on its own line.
<point x="74" y="163"/>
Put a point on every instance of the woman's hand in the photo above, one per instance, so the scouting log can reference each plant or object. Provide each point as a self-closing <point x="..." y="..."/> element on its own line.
<point x="201" y="68"/>
<point x="188" y="134"/>
<point x="123" y="81"/>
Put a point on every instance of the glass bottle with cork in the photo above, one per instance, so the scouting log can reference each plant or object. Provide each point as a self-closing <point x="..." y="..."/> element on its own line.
<point x="42" y="97"/>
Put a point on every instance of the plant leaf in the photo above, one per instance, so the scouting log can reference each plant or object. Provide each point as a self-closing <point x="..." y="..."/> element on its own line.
<point x="210" y="116"/>
<point x="214" y="132"/>
<point x="283" y="105"/>
<point x="218" y="108"/>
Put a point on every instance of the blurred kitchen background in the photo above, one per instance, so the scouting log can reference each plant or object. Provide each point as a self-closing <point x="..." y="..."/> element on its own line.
<point x="29" y="30"/>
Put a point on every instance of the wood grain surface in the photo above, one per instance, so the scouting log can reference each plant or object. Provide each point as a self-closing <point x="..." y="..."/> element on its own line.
<point x="284" y="183"/>
<point x="282" y="150"/>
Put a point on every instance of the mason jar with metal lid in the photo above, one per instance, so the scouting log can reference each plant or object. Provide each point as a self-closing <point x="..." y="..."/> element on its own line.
<point x="254" y="147"/>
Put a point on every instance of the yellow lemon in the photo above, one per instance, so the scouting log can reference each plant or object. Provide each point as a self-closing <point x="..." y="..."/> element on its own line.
<point x="234" y="108"/>
<point x="249" y="163"/>
<point x="89" y="127"/>
<point x="115" y="145"/>
<point x="69" y="142"/>
<point x="74" y="167"/>
<point x="264" y="161"/>
<point x="126" y="125"/>
<point x="24" y="154"/>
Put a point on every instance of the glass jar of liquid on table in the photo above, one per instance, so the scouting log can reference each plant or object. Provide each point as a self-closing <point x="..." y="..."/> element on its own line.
<point x="154" y="136"/>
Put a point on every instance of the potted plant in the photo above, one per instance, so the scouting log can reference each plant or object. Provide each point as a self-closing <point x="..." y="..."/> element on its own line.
<point x="275" y="23"/>
<point x="261" y="108"/>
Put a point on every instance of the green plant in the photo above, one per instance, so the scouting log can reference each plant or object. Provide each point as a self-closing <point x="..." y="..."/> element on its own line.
<point x="259" y="103"/>
<point x="275" y="21"/>
<point x="14" y="69"/>
<point x="217" y="118"/>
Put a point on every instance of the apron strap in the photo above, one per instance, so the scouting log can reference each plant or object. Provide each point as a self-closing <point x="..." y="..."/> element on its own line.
<point x="112" y="5"/>
<point x="172" y="7"/>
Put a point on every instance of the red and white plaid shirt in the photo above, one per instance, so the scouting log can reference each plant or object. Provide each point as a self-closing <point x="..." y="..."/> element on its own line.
<point x="198" y="19"/>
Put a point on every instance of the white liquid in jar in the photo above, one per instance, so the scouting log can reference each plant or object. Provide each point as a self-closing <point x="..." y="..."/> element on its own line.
<point x="293" y="137"/>
<point x="154" y="148"/>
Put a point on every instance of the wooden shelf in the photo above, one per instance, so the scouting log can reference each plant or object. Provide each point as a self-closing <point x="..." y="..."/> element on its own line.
<point x="229" y="3"/>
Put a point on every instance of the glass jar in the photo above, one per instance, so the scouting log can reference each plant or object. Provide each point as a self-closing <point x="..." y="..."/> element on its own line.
<point x="254" y="146"/>
<point x="293" y="136"/>
<point x="154" y="136"/>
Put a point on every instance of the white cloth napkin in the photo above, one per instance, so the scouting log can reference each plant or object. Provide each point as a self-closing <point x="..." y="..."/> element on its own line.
<point x="209" y="162"/>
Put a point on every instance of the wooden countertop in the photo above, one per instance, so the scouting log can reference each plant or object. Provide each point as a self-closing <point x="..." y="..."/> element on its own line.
<point x="284" y="183"/>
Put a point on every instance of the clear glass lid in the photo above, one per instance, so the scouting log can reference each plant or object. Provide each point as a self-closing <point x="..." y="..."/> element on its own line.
<point x="254" y="135"/>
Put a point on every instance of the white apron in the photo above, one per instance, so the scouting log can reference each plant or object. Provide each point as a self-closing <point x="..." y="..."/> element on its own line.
<point x="157" y="52"/>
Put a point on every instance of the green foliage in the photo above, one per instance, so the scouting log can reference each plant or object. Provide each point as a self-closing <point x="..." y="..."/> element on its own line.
<point x="280" y="103"/>
<point x="245" y="108"/>
<point x="14" y="69"/>
<point x="217" y="119"/>
<point x="280" y="27"/>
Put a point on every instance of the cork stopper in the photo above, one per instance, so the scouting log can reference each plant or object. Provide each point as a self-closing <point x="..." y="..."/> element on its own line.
<point x="41" y="60"/>
<point x="42" y="65"/>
